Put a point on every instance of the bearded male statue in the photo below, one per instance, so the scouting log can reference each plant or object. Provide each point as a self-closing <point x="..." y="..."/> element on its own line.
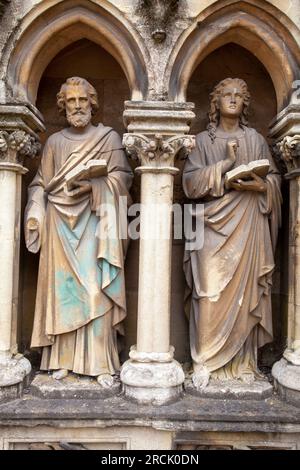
<point x="229" y="278"/>
<point x="80" y="301"/>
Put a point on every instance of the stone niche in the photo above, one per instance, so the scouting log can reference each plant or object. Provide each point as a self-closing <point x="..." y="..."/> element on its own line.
<point x="86" y="59"/>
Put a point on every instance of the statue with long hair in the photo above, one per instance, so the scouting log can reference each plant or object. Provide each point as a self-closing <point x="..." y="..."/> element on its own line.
<point x="229" y="278"/>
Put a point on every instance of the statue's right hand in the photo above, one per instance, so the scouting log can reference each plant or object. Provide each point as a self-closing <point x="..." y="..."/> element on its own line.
<point x="33" y="235"/>
<point x="232" y="146"/>
<point x="32" y="224"/>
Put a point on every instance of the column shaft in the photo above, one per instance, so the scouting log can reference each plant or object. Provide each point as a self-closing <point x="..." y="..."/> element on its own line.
<point x="8" y="181"/>
<point x="285" y="131"/>
<point x="296" y="343"/>
<point x="18" y="139"/>
<point x="155" y="263"/>
<point x="157" y="132"/>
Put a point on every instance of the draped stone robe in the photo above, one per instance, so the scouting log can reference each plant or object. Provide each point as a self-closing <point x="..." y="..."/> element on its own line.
<point x="80" y="302"/>
<point x="229" y="279"/>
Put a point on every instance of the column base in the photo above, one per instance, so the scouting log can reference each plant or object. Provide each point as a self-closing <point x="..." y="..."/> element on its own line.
<point x="13" y="374"/>
<point x="292" y="356"/>
<point x="155" y="383"/>
<point x="287" y="381"/>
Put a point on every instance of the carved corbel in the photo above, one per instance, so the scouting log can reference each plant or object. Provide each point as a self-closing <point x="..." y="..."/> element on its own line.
<point x="158" y="14"/>
<point x="157" y="151"/>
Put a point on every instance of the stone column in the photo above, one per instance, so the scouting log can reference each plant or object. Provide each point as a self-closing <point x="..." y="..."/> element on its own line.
<point x="17" y="140"/>
<point x="157" y="133"/>
<point x="286" y="132"/>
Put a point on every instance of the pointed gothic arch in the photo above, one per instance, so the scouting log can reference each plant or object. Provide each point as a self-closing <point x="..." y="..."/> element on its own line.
<point x="257" y="26"/>
<point x="49" y="28"/>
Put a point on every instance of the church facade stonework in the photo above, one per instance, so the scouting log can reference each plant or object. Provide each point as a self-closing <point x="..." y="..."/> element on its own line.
<point x="149" y="224"/>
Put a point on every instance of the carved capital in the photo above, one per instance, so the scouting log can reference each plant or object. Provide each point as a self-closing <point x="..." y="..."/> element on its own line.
<point x="289" y="148"/>
<point x="16" y="145"/>
<point x="157" y="151"/>
<point x="278" y="158"/>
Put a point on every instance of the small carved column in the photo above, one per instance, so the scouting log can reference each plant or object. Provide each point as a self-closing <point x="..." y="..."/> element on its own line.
<point x="151" y="375"/>
<point x="17" y="140"/>
<point x="286" y="131"/>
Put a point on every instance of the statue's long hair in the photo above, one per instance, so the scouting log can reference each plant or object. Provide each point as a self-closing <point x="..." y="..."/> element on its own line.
<point x="214" y="112"/>
<point x="77" y="81"/>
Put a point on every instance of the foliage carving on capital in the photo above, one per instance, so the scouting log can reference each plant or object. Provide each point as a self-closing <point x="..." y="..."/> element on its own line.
<point x="16" y="145"/>
<point x="157" y="150"/>
<point x="289" y="148"/>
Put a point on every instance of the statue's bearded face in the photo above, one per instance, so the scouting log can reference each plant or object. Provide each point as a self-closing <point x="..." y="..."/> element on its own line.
<point x="78" y="106"/>
<point x="231" y="101"/>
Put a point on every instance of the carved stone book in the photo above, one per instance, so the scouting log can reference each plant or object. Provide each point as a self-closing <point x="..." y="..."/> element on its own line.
<point x="259" y="167"/>
<point x="92" y="169"/>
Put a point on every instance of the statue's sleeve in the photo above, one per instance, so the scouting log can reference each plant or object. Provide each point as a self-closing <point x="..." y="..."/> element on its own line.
<point x="109" y="199"/>
<point x="119" y="171"/>
<point x="270" y="203"/>
<point x="200" y="179"/>
<point x="37" y="200"/>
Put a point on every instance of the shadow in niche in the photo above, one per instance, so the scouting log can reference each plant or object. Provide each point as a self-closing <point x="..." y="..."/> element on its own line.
<point x="88" y="60"/>
<point x="233" y="61"/>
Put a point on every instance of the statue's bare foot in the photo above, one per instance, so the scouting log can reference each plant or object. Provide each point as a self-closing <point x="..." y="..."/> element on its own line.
<point x="60" y="374"/>
<point x="105" y="380"/>
<point x="200" y="377"/>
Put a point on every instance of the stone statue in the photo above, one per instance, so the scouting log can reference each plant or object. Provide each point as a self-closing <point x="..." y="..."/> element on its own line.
<point x="80" y="303"/>
<point x="229" y="278"/>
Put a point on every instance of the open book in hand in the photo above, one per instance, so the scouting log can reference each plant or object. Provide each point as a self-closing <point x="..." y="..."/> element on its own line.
<point x="87" y="171"/>
<point x="243" y="172"/>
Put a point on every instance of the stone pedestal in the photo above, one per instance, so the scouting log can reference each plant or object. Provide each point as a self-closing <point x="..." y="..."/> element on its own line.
<point x="151" y="375"/>
<point x="17" y="140"/>
<point x="232" y="389"/>
<point x="286" y="131"/>
<point x="72" y="387"/>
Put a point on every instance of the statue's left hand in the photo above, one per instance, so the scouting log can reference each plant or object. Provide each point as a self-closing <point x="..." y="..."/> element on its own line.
<point x="82" y="187"/>
<point x="256" y="184"/>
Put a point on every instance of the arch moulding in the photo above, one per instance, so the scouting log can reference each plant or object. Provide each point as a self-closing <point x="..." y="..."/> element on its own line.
<point x="43" y="34"/>
<point x="275" y="43"/>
